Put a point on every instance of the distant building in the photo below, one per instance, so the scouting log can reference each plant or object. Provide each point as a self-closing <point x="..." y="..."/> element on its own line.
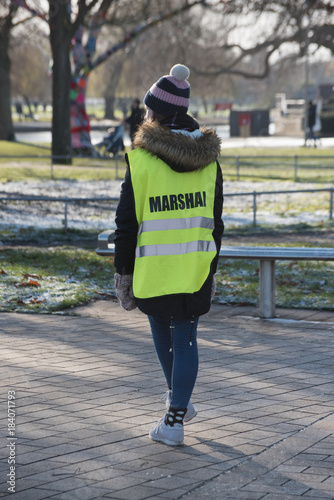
<point x="325" y="91"/>
<point x="249" y="123"/>
<point x="325" y="104"/>
<point x="288" y="115"/>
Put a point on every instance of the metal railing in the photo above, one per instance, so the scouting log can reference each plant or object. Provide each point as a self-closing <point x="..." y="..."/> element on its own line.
<point x="54" y="199"/>
<point x="52" y="160"/>
<point x="254" y="194"/>
<point x="296" y="162"/>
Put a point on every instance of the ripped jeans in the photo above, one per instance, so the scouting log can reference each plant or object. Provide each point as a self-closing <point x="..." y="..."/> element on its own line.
<point x="175" y="343"/>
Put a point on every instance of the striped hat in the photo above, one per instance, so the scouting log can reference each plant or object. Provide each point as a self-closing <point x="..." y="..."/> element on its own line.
<point x="171" y="93"/>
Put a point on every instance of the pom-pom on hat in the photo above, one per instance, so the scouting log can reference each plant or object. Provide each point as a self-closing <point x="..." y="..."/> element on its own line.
<point x="171" y="93"/>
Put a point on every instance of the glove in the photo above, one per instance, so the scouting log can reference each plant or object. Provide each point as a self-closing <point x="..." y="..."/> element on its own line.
<point x="124" y="292"/>
<point x="213" y="287"/>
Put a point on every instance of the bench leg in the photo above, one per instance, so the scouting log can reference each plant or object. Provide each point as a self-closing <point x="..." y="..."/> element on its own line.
<point x="267" y="289"/>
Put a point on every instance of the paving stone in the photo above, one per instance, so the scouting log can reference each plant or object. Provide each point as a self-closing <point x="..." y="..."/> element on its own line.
<point x="245" y="495"/>
<point x="319" y="495"/>
<point x="33" y="494"/>
<point x="279" y="496"/>
<point x="264" y="397"/>
<point x="173" y="482"/>
<point x="135" y="493"/>
<point x="288" y="488"/>
<point x="85" y="493"/>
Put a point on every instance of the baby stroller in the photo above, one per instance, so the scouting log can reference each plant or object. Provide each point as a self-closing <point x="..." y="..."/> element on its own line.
<point x="112" y="144"/>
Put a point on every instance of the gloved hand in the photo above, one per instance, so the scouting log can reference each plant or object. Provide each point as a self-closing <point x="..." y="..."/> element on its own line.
<point x="124" y="292"/>
<point x="213" y="287"/>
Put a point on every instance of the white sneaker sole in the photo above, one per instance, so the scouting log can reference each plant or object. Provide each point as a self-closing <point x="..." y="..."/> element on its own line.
<point x="187" y="417"/>
<point x="166" y="441"/>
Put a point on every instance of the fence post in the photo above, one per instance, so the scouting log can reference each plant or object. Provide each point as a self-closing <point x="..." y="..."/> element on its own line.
<point x="254" y="208"/>
<point x="51" y="166"/>
<point x="331" y="204"/>
<point x="296" y="168"/>
<point x="65" y="216"/>
<point x="238" y="167"/>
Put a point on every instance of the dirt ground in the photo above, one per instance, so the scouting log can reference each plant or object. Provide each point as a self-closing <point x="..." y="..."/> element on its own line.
<point x="299" y="238"/>
<point x="302" y="238"/>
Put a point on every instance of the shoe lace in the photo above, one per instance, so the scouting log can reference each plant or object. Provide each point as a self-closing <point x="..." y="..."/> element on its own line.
<point x="159" y="423"/>
<point x="164" y="397"/>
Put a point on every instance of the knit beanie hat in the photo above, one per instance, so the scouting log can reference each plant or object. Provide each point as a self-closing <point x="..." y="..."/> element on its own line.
<point x="170" y="93"/>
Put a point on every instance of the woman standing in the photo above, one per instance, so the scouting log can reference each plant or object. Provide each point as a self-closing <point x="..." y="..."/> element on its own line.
<point x="168" y="237"/>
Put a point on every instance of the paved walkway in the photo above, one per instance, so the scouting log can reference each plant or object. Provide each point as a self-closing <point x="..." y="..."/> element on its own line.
<point x="30" y="131"/>
<point x="87" y="391"/>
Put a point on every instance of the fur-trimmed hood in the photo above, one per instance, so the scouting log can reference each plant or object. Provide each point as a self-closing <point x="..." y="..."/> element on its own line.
<point x="182" y="151"/>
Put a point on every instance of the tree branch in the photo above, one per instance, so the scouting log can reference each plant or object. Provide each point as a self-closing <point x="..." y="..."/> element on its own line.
<point x="141" y="28"/>
<point x="24" y="5"/>
<point x="82" y="12"/>
<point x="22" y="21"/>
<point x="289" y="28"/>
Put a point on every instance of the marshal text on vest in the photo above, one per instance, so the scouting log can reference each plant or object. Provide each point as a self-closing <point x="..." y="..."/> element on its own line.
<point x="177" y="201"/>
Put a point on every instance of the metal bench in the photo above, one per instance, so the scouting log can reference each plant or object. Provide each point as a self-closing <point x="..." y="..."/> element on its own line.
<point x="266" y="255"/>
<point x="106" y="243"/>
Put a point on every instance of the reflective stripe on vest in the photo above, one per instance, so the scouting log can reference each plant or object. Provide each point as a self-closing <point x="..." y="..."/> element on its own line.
<point x="170" y="224"/>
<point x="175" y="215"/>
<point x="175" y="249"/>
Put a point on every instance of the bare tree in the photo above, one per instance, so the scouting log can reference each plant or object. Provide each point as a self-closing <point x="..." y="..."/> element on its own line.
<point x="239" y="39"/>
<point x="30" y="77"/>
<point x="8" y="12"/>
<point x="113" y="75"/>
<point x="116" y="14"/>
<point x="70" y="127"/>
<point x="262" y="31"/>
<point x="11" y="18"/>
<point x="68" y="25"/>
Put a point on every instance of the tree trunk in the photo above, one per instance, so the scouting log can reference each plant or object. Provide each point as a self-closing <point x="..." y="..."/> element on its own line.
<point x="109" y="108"/>
<point x="114" y="74"/>
<point x="6" y="124"/>
<point x="205" y="105"/>
<point x="28" y="103"/>
<point x="61" y="79"/>
<point x="80" y="126"/>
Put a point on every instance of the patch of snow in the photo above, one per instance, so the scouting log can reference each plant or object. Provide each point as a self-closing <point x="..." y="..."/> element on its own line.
<point x="69" y="188"/>
<point x="41" y="214"/>
<point x="238" y="210"/>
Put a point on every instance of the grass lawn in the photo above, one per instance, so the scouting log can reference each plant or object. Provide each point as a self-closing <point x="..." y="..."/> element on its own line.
<point x="255" y="164"/>
<point x="23" y="236"/>
<point x="279" y="151"/>
<point x="59" y="277"/>
<point x="23" y="149"/>
<point x="53" y="279"/>
<point x="23" y="168"/>
<point x="261" y="164"/>
<point x="98" y="170"/>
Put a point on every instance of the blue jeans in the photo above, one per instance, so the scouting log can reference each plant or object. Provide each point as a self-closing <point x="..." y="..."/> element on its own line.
<point x="175" y="343"/>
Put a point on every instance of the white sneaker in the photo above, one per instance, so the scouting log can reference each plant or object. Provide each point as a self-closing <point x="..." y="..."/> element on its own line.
<point x="172" y="436"/>
<point x="190" y="413"/>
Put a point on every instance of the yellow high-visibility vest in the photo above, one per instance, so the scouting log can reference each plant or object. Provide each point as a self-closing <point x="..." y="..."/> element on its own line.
<point x="175" y="214"/>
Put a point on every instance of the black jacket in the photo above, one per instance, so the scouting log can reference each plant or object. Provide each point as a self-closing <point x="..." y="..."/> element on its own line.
<point x="182" y="153"/>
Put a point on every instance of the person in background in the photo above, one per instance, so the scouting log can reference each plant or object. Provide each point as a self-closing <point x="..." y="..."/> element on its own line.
<point x="135" y="119"/>
<point x="168" y="237"/>
<point x="19" y="110"/>
<point x="312" y="115"/>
